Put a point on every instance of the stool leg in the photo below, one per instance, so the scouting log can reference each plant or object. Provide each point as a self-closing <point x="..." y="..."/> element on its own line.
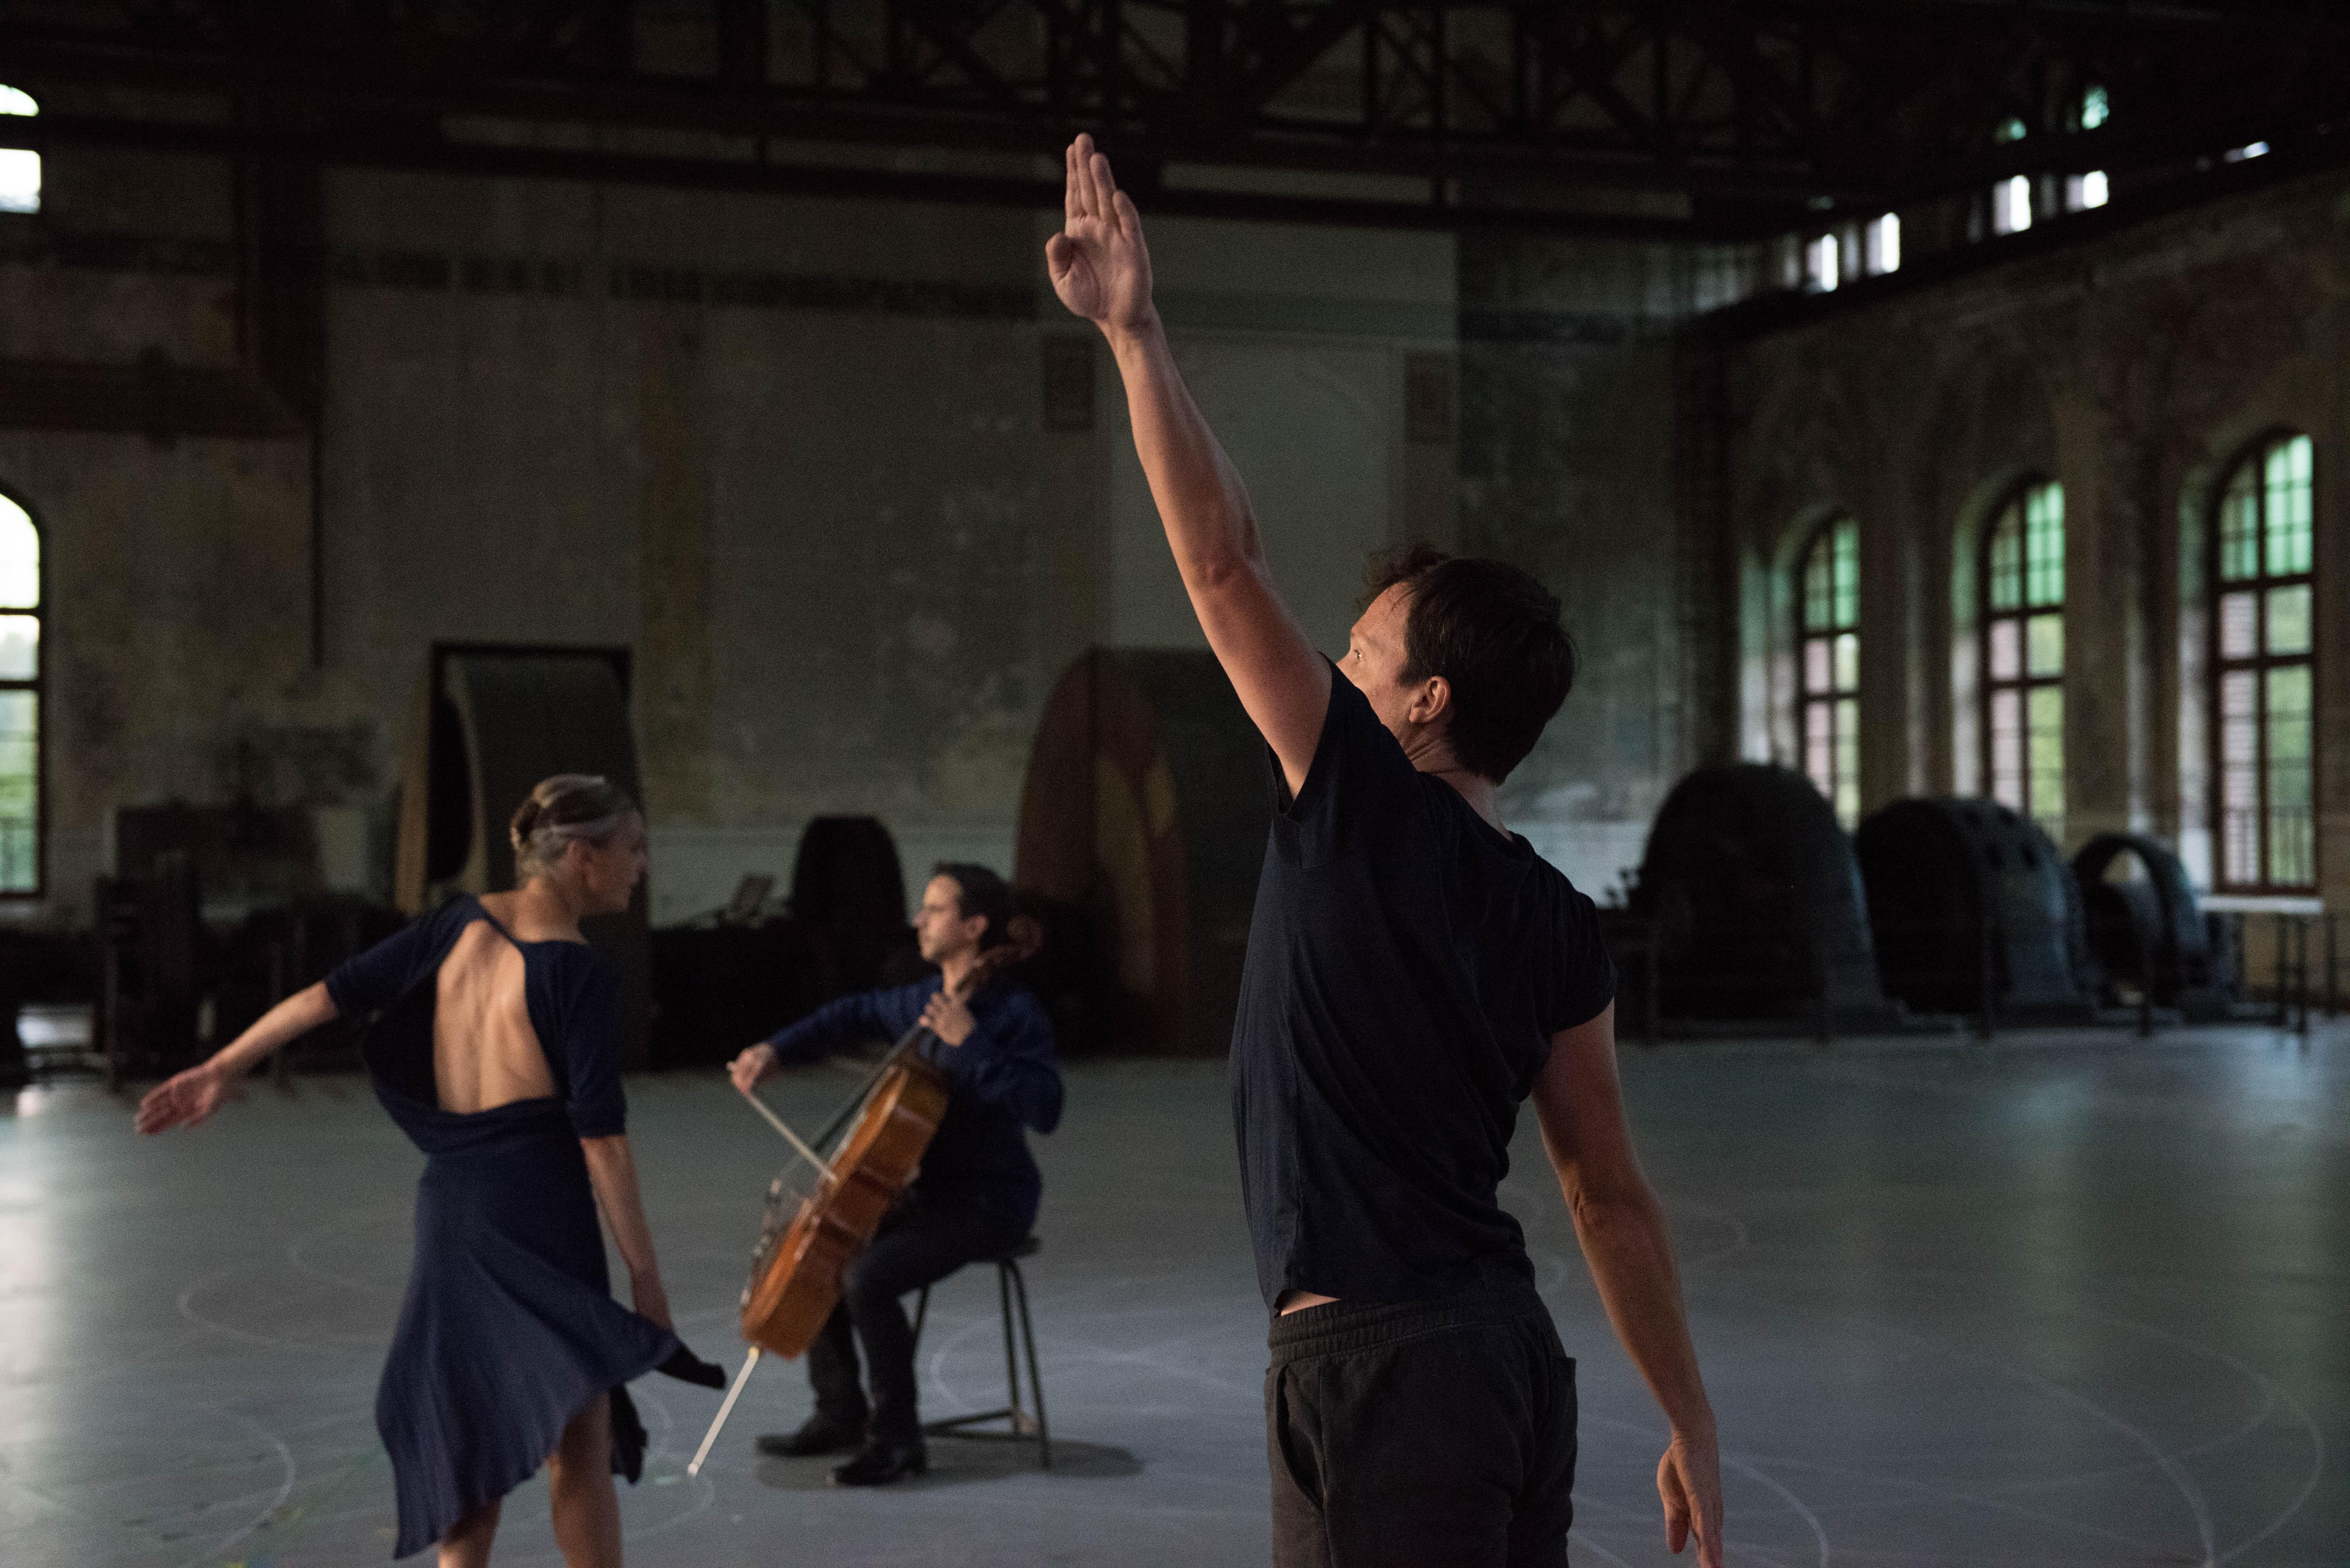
<point x="1036" y="1378"/>
<point x="1010" y="1364"/>
<point x="922" y="1311"/>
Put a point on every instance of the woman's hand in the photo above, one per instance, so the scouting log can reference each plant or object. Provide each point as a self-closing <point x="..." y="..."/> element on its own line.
<point x="1100" y="267"/>
<point x="651" y="1300"/>
<point x="949" y="1018"/>
<point x="752" y="1066"/>
<point x="183" y="1099"/>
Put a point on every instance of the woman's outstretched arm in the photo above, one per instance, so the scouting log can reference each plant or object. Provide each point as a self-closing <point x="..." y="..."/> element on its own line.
<point x="186" y="1099"/>
<point x="612" y="1171"/>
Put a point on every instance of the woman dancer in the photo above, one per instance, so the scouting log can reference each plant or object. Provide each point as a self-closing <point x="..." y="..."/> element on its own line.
<point x="495" y="1049"/>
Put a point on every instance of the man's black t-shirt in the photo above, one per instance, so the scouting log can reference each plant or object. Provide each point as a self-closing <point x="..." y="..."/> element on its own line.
<point x="1407" y="968"/>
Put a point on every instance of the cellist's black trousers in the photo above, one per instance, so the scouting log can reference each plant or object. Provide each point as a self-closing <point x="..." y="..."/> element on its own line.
<point x="920" y="1242"/>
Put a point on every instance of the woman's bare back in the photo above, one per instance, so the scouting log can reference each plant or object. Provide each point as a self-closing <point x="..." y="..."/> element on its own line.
<point x="485" y="1051"/>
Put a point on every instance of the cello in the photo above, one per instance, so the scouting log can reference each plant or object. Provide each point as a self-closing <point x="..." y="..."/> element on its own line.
<point x="796" y="1268"/>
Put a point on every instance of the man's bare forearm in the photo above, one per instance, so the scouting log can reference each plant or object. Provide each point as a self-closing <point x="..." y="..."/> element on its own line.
<point x="1631" y="1259"/>
<point x="1281" y="682"/>
<point x="1201" y="498"/>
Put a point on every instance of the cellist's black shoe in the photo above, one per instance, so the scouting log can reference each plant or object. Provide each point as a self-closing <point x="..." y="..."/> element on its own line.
<point x="878" y="1464"/>
<point x="818" y="1435"/>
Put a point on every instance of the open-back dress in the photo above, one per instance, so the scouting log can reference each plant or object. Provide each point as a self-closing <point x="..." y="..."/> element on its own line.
<point x="509" y="1327"/>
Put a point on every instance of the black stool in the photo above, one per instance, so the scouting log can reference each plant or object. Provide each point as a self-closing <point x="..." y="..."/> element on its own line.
<point x="1009" y="1286"/>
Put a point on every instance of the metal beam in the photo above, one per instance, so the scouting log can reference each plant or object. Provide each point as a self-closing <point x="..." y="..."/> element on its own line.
<point x="349" y="149"/>
<point x="1758" y="111"/>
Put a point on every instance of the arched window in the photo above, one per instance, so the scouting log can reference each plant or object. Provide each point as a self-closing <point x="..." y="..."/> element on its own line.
<point x="2023" y="656"/>
<point x="20" y="168"/>
<point x="20" y="703"/>
<point x="2264" y="692"/>
<point x="1829" y="636"/>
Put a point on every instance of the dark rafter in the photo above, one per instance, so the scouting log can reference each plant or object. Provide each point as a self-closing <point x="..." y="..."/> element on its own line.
<point x="1725" y="116"/>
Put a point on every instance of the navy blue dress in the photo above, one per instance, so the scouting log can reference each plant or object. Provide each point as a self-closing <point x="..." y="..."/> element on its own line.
<point x="509" y="1327"/>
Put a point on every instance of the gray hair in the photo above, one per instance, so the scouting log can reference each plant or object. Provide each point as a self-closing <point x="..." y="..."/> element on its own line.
<point x="566" y="807"/>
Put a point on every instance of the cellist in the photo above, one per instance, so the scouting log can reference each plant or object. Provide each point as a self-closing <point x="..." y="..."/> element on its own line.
<point x="977" y="1194"/>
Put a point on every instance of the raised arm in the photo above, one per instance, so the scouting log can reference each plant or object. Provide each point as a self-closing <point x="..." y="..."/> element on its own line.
<point x="1101" y="270"/>
<point x="186" y="1099"/>
<point x="1580" y="1106"/>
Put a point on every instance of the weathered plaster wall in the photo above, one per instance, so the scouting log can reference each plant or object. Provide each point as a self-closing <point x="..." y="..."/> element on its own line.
<point x="795" y="453"/>
<point x="174" y="567"/>
<point x="173" y="629"/>
<point x="1571" y="464"/>
<point x="2134" y="370"/>
<point x="787" y="452"/>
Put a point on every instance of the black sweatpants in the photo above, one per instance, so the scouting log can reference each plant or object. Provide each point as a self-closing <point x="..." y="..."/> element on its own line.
<point x="919" y="1243"/>
<point x="1419" y="1434"/>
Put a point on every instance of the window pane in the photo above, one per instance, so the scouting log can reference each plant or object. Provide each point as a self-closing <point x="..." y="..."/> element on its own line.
<point x="2289" y="775"/>
<point x="2006" y="567"/>
<point x="20" y="558"/>
<point x="20" y="180"/>
<point x="1819" y="584"/>
<point x="1847" y="761"/>
<point x="1819" y="748"/>
<point x="2007" y="748"/>
<point x="2046" y="643"/>
<point x="2046" y="758"/>
<point x="20" y="647"/>
<point x="2239" y="626"/>
<point x="20" y="792"/>
<point x="1816" y="665"/>
<point x="2289" y="611"/>
<point x="1847" y="663"/>
<point x="2290" y="465"/>
<point x="2043" y="544"/>
<point x="2240" y="527"/>
<point x="2006" y="645"/>
<point x="1847" y="575"/>
<point x="2240" y="793"/>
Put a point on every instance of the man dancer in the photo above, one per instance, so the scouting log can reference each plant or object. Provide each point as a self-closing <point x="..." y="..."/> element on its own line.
<point x="1414" y="972"/>
<point x="976" y="1196"/>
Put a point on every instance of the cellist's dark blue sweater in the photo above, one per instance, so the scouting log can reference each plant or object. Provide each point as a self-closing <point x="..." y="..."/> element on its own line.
<point x="1004" y="1077"/>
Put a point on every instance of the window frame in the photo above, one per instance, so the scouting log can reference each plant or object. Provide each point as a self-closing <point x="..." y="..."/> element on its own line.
<point x="38" y="688"/>
<point x="2218" y="666"/>
<point x="12" y="144"/>
<point x="2023" y="683"/>
<point x="1839" y="700"/>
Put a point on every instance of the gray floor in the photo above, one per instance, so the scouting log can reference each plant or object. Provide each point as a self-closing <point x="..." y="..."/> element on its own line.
<point x="2063" y="1300"/>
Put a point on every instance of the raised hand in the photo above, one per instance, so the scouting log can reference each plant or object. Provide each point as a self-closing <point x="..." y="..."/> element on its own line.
<point x="182" y="1100"/>
<point x="1099" y="266"/>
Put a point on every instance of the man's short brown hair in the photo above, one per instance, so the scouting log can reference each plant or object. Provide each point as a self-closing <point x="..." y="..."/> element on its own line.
<point x="1493" y="634"/>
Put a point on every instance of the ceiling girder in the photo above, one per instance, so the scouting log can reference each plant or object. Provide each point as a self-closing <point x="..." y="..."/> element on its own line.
<point x="1759" y="112"/>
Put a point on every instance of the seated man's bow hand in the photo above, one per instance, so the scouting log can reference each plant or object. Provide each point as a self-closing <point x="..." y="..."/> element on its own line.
<point x="747" y="1069"/>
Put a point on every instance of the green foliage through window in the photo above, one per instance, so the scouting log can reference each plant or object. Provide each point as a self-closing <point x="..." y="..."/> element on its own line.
<point x="20" y="702"/>
<point x="2023" y="656"/>
<point x="2263" y="689"/>
<point x="1830" y="665"/>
